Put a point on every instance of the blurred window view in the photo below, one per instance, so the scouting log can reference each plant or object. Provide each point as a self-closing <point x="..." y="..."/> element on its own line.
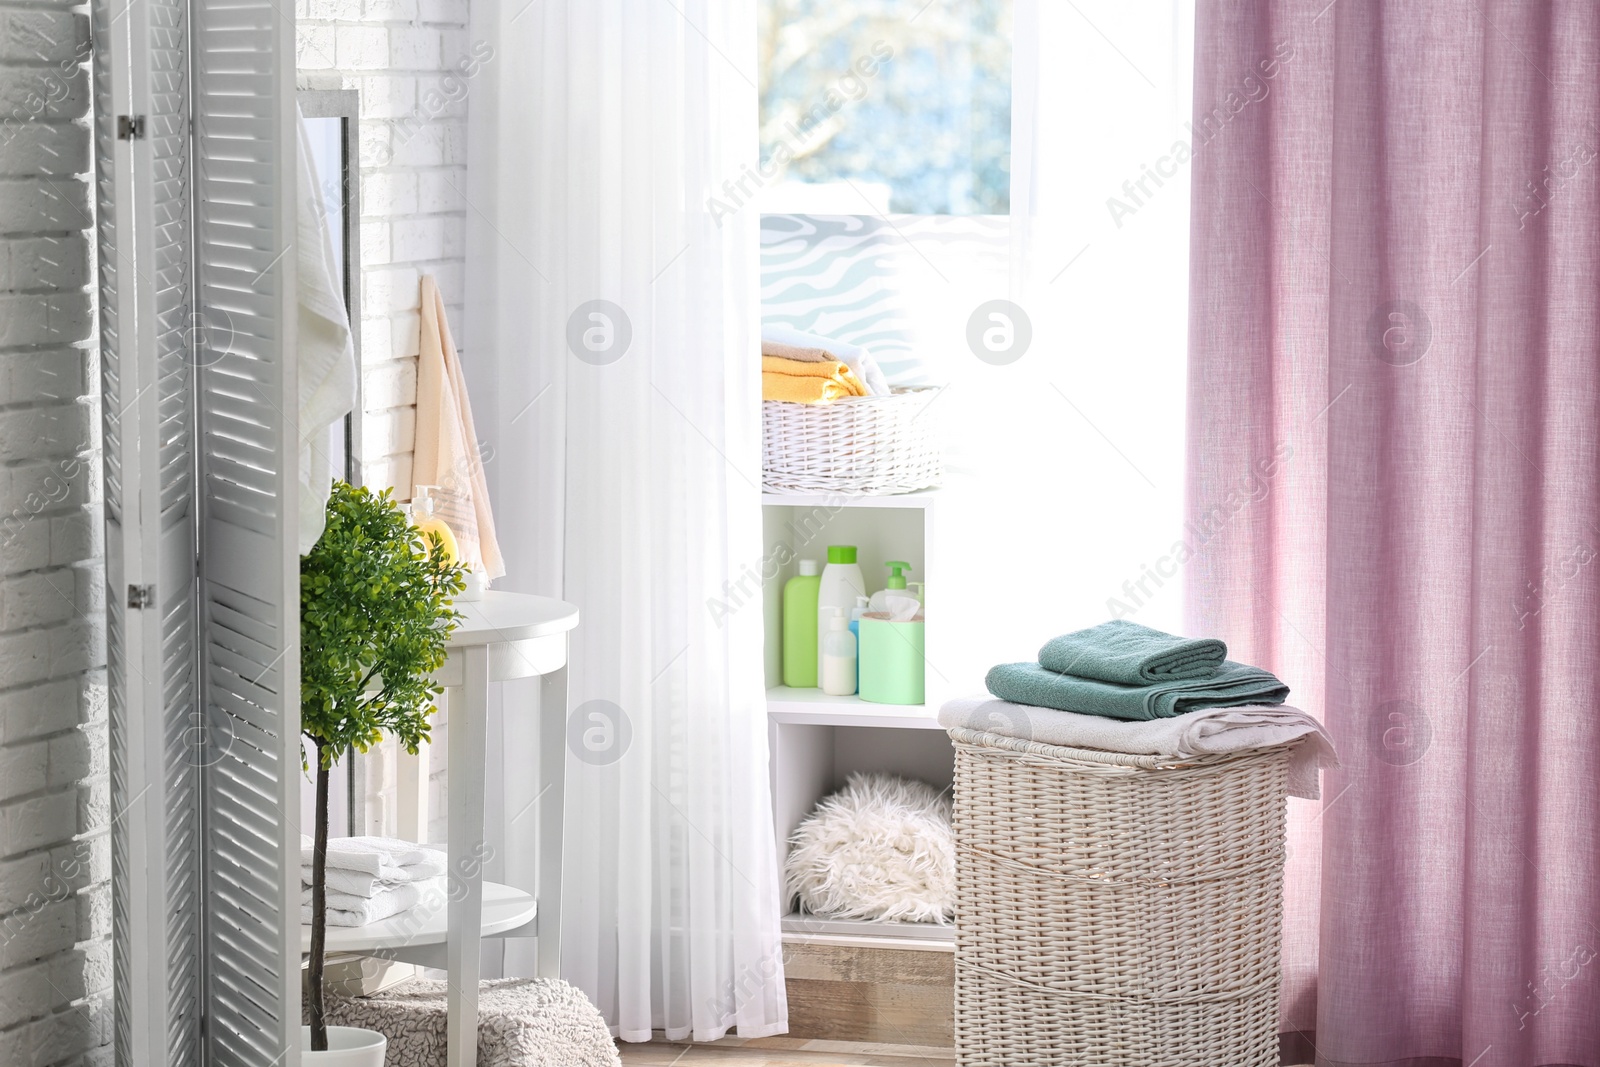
<point x="886" y="106"/>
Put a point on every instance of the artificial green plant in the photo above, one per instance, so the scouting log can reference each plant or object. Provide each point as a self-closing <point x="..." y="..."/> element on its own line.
<point x="375" y="612"/>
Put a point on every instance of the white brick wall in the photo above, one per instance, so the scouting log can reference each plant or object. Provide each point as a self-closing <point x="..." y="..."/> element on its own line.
<point x="413" y="64"/>
<point x="55" y="919"/>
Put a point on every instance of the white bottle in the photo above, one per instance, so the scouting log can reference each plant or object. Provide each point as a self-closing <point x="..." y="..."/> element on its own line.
<point x="839" y="658"/>
<point x="842" y="582"/>
<point x="477" y="585"/>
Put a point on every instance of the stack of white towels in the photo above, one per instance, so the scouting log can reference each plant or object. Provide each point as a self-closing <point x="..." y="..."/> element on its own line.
<point x="373" y="878"/>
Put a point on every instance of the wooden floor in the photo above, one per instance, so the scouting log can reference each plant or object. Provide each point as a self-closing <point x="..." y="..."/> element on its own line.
<point x="783" y="1052"/>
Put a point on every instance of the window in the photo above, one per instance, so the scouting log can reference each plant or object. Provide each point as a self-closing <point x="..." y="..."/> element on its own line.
<point x="888" y="222"/>
<point x="886" y="106"/>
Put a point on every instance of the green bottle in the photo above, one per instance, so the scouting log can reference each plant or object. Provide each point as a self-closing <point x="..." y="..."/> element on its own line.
<point x="800" y="627"/>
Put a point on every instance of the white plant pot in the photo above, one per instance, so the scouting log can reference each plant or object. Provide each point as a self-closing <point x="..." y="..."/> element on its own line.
<point x="348" y="1046"/>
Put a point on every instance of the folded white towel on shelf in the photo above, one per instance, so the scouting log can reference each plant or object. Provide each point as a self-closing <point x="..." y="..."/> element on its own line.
<point x="356" y="884"/>
<point x="344" y="909"/>
<point x="387" y="859"/>
<point x="1197" y="733"/>
<point x="858" y="359"/>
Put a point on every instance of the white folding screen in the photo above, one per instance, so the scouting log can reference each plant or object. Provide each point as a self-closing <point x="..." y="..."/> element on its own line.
<point x="146" y="324"/>
<point x="194" y="193"/>
<point x="244" y="155"/>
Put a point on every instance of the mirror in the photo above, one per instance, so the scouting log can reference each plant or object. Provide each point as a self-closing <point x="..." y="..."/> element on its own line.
<point x="333" y="130"/>
<point x="332" y="120"/>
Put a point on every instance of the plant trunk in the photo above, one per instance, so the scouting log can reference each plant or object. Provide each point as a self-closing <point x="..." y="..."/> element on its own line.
<point x="319" y="913"/>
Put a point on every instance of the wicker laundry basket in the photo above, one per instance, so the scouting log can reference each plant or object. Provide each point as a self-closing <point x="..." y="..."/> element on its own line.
<point x="1116" y="909"/>
<point x="853" y="447"/>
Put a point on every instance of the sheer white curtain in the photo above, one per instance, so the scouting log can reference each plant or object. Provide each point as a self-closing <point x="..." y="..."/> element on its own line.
<point x="1070" y="457"/>
<point x="611" y="336"/>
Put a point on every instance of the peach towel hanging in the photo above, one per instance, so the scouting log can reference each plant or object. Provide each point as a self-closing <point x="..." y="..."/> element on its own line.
<point x="446" y="453"/>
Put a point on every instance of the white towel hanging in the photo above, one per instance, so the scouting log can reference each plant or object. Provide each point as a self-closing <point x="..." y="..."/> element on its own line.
<point x="326" y="359"/>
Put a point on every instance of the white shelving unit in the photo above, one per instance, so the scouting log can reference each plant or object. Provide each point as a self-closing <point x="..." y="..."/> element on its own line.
<point x="815" y="740"/>
<point x="920" y="500"/>
<point x="502" y="636"/>
<point x="814" y="707"/>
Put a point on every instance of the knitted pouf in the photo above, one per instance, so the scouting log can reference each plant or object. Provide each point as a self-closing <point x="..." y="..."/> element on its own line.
<point x="522" y="1022"/>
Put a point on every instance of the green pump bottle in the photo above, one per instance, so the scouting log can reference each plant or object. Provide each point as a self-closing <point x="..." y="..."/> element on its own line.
<point x="895" y="584"/>
<point x="800" y="626"/>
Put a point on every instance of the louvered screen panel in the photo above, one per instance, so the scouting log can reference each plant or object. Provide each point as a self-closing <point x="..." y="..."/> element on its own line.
<point x="143" y="198"/>
<point x="183" y="748"/>
<point x="244" y="160"/>
<point x="110" y="94"/>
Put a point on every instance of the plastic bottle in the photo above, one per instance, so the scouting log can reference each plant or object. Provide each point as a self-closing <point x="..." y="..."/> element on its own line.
<point x="841" y="584"/>
<point x="423" y="518"/>
<point x="838" y="658"/>
<point x="800" y="627"/>
<point x="895" y="584"/>
<point x="855" y="631"/>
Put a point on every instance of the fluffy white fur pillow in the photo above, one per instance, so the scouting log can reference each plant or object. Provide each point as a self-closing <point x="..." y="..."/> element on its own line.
<point x="881" y="848"/>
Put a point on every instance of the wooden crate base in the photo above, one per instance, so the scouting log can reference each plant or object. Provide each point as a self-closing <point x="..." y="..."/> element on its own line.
<point x="878" y="995"/>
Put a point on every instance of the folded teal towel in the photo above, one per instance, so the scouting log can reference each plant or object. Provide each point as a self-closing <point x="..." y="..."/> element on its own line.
<point x="1233" y="685"/>
<point x="1129" y="654"/>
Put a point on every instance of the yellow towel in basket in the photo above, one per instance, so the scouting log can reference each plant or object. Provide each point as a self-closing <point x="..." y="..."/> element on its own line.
<point x="807" y="383"/>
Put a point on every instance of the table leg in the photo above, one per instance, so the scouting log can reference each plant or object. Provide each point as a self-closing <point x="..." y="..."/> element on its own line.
<point x="411" y="786"/>
<point x="553" y="781"/>
<point x="466" y="749"/>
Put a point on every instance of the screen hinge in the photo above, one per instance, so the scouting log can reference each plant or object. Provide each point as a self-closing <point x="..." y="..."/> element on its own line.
<point x="141" y="596"/>
<point x="130" y="127"/>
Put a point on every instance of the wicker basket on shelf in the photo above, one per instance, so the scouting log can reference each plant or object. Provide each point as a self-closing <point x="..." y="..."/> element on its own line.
<point x="854" y="447"/>
<point x="1116" y="909"/>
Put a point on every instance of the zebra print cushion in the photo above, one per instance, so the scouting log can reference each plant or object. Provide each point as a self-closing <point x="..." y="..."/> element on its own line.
<point x="877" y="282"/>
<point x="840" y="277"/>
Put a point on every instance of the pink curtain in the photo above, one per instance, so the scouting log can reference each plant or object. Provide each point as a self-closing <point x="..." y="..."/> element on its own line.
<point x="1394" y="486"/>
